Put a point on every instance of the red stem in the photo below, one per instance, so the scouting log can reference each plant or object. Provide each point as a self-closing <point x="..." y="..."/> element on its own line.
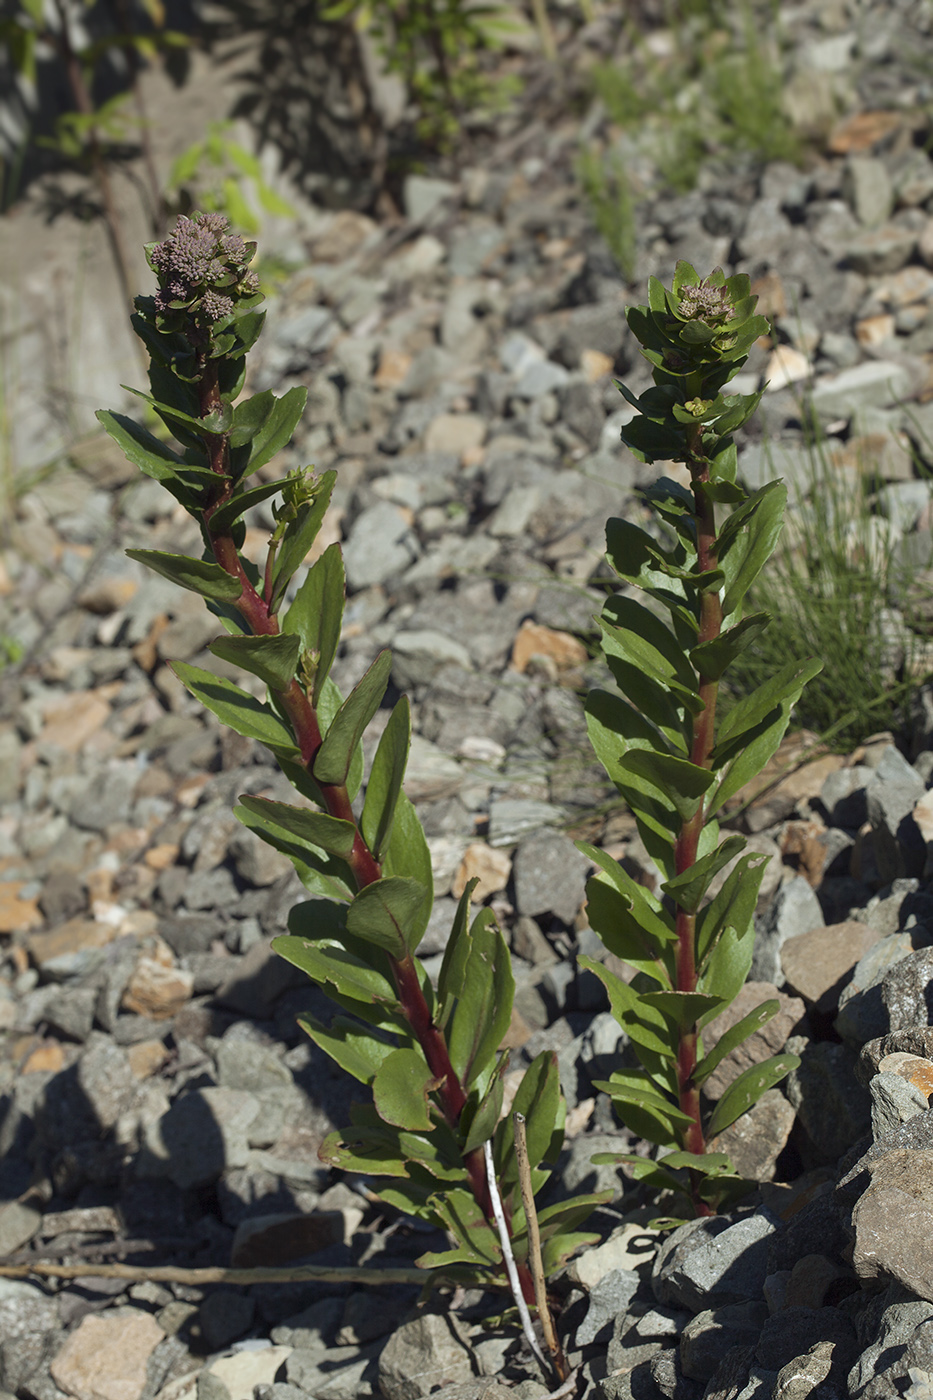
<point x="366" y="869"/>
<point x="687" y="845"/>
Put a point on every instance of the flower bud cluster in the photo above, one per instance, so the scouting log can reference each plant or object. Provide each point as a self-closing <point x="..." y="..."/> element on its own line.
<point x="202" y="268"/>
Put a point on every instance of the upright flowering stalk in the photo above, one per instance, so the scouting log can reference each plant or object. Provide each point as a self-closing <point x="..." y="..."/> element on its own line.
<point x="429" y="1057"/>
<point x="672" y="758"/>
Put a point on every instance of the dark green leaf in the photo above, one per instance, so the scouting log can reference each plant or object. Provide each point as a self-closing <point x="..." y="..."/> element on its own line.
<point x="300" y="536"/>
<point x="385" y="779"/>
<point x="332" y="764"/>
<point x="539" y="1102"/>
<point x="407" y="854"/>
<point x="349" y="1044"/>
<point x="752" y="731"/>
<point x="484" y="1001"/>
<point x="456" y="953"/>
<point x="712" y="658"/>
<point x="140" y="446"/>
<point x="728" y="963"/>
<point x="273" y="659"/>
<point x="479" y="1119"/>
<point x="365" y="1150"/>
<point x="734" y="904"/>
<point x="463" y="1218"/>
<point x="636" y="1086"/>
<point x="683" y="1008"/>
<point x="235" y="707"/>
<point x="555" y="1252"/>
<point x="198" y="575"/>
<point x="239" y="503"/>
<point x="330" y="965"/>
<point x="747" y="540"/>
<point x="317" y="613"/>
<point x="644" y="1023"/>
<point x="316" y="828"/>
<point x="669" y="778"/>
<point x="266" y="423"/>
<point x="383" y="913"/>
<point x="688" y="889"/>
<point x="400" y="1090"/>
<point x="611" y="915"/>
<point x="642" y="639"/>
<point x="726" y="1043"/>
<point x="320" y="873"/>
<point x="743" y="1093"/>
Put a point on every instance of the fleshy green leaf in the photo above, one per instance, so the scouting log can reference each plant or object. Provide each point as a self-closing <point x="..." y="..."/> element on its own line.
<point x="385" y="779"/>
<point x="674" y="779"/>
<point x="726" y="1043"/>
<point x="689" y="888"/>
<point x="235" y="707"/>
<point x="645" y="1024"/>
<point x="539" y="1102"/>
<point x="752" y="731"/>
<point x="320" y="872"/>
<point x="349" y="1044"/>
<point x="331" y="965"/>
<point x="712" y="658"/>
<point x="383" y="913"/>
<point x="484" y="1001"/>
<point x="400" y="1090"/>
<point x="478" y="1120"/>
<point x="747" y="541"/>
<point x="332" y="764"/>
<point x="316" y="828"/>
<point x="240" y="502"/>
<point x="272" y="659"/>
<point x="733" y="905"/>
<point x="453" y="964"/>
<point x="300" y="536"/>
<point x="610" y="913"/>
<point x="197" y="575"/>
<point x="317" y="613"/>
<point x="407" y="854"/>
<point x="743" y="1093"/>
<point x="683" y="1008"/>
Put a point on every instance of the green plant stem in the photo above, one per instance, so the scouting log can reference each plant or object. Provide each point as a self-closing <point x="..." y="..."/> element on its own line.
<point x="256" y="612"/>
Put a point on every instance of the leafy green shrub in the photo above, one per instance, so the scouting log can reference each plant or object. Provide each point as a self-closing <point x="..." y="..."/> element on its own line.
<point x="431" y="1130"/>
<point x="673" y="761"/>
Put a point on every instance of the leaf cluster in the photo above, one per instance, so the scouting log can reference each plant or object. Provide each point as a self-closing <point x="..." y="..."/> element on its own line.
<point x="691" y="949"/>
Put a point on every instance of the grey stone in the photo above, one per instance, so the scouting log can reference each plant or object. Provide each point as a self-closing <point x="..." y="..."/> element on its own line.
<point x="668" y="1376"/>
<point x="380" y="546"/>
<point x="894" y="1100"/>
<point x="511" y="818"/>
<point x="243" y="1064"/>
<point x="725" y="1265"/>
<point x="881" y="250"/>
<point x="868" y="189"/>
<point x="417" y="657"/>
<point x="422" y="1355"/>
<point x="844" y="797"/>
<point x="257" y="981"/>
<point x="71" y="1012"/>
<point x="224" y="1316"/>
<point x="422" y="194"/>
<point x="540" y="377"/>
<point x="891" y="795"/>
<point x="550" y="876"/>
<point x="18" y="1224"/>
<point x="794" y="911"/>
<point x="579" y="1173"/>
<point x="107" y="799"/>
<point x="907" y="991"/>
<point x="885" y="1358"/>
<point x="800" y="1377"/>
<point x="710" y="1333"/>
<point x="608" y="1298"/>
<point x="893" y="1220"/>
<point x="257" y="863"/>
<point x="832" y="1107"/>
<point x="863" y="1015"/>
<point x="203" y="1132"/>
<point x="27" y="1317"/>
<point x="791" y="1332"/>
<point x="876" y="383"/>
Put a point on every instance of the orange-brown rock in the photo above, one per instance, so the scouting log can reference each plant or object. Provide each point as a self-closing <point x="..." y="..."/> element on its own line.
<point x="76" y="936"/>
<point x="157" y="987"/>
<point x="17" y="914"/>
<point x="490" y="866"/>
<point x="565" y="650"/>
<point x="71" y="724"/>
<point x="863" y="131"/>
